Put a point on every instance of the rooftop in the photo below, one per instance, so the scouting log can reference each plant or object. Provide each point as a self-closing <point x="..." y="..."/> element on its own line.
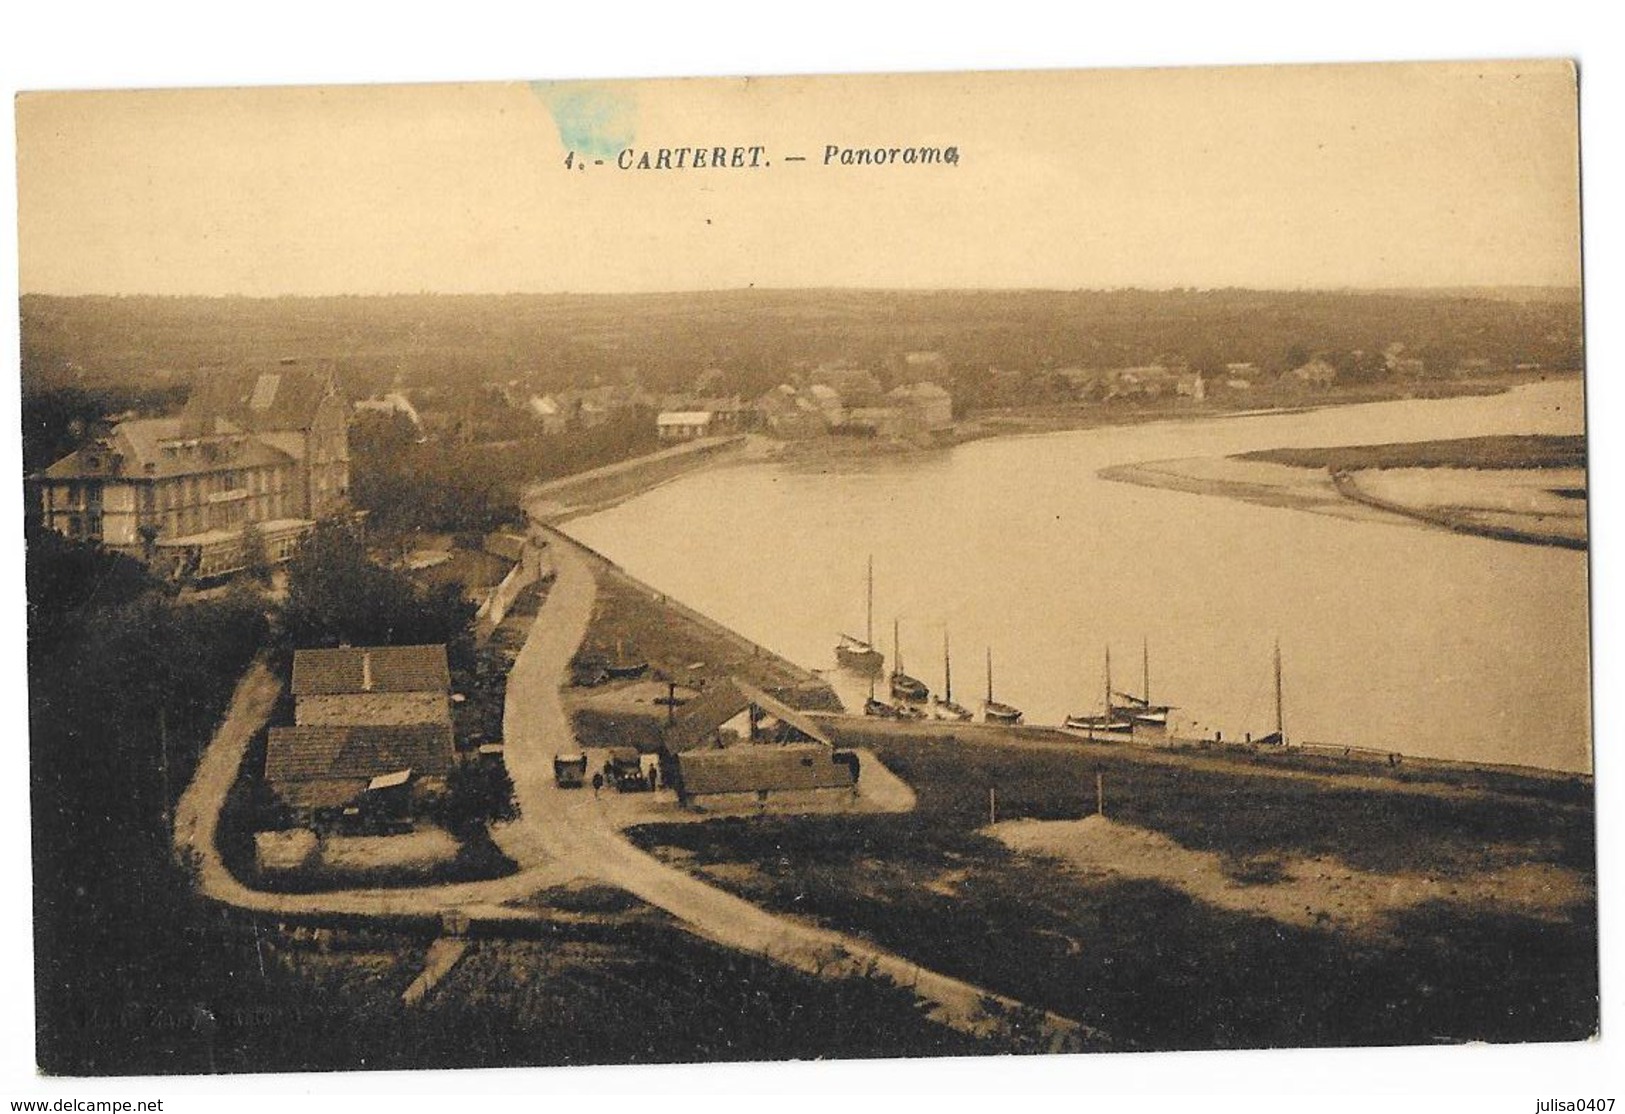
<point x="349" y="753"/>
<point x="754" y="768"/>
<point x="283" y="397"/>
<point x="352" y="669"/>
<point x="159" y="448"/>
<point x="719" y="703"/>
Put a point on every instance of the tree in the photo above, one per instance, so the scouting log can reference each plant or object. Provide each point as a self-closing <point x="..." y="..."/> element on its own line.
<point x="336" y="594"/>
<point x="256" y="558"/>
<point x="476" y="793"/>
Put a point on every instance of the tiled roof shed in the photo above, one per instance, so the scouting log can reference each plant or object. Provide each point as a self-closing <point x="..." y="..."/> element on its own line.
<point x="763" y="768"/>
<point x="355" y="669"/>
<point x="296" y="755"/>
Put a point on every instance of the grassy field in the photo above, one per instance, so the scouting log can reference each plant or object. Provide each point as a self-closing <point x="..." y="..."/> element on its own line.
<point x="1511" y="451"/>
<point x="633" y="621"/>
<point x="1149" y="964"/>
<point x="607" y="981"/>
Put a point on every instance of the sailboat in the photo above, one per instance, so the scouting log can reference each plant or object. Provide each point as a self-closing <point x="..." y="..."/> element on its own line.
<point x="1276" y="738"/>
<point x="859" y="654"/>
<point x="1138" y="710"/>
<point x="1109" y="722"/>
<point x="992" y="710"/>
<point x="878" y="708"/>
<point x="945" y="708"/>
<point x="904" y="687"/>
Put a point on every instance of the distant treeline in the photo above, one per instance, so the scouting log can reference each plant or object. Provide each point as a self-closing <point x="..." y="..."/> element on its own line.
<point x="758" y="339"/>
<point x="1511" y="451"/>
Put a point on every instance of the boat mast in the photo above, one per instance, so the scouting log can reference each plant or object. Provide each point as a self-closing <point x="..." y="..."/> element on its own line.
<point x="896" y="647"/>
<point x="869" y="613"/>
<point x="990" y="674"/>
<point x="1108" y="685"/>
<point x="1145" y="663"/>
<point x="947" y="672"/>
<point x="1280" y="723"/>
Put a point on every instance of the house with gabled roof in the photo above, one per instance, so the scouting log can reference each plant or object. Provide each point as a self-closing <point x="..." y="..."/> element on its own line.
<point x="267" y="450"/>
<point x="177" y="494"/>
<point x="736" y="746"/>
<point x="372" y="685"/>
<point x="295" y="407"/>
<point x="364" y="771"/>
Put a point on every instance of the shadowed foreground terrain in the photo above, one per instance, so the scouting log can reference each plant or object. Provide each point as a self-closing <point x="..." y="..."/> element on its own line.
<point x="1463" y="951"/>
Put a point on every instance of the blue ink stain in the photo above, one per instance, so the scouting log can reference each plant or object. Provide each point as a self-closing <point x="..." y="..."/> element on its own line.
<point x="597" y="120"/>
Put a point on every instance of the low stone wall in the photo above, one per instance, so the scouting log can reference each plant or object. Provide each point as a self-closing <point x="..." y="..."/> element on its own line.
<point x="533" y="565"/>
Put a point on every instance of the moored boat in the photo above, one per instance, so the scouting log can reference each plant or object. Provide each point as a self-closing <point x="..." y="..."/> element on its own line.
<point x="994" y="711"/>
<point x="1109" y="723"/>
<point x="944" y="707"/>
<point x="859" y="654"/>
<point x="1141" y="713"/>
<point x="904" y="687"/>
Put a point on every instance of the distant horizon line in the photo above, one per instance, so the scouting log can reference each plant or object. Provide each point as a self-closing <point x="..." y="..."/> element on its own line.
<point x="1576" y="287"/>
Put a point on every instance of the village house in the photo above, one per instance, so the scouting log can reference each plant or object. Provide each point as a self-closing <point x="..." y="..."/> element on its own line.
<point x="371" y="742"/>
<point x="296" y="408"/>
<point x="875" y="421"/>
<point x="181" y="492"/>
<point x="178" y="497"/>
<point x="729" y="414"/>
<point x="369" y="685"/>
<point x="683" y="425"/>
<point x="1317" y="371"/>
<point x="736" y="747"/>
<point x="827" y="401"/>
<point x="549" y="413"/>
<point x="925" y="407"/>
<point x="1144" y="382"/>
<point x="785" y="412"/>
<point x="359" y="774"/>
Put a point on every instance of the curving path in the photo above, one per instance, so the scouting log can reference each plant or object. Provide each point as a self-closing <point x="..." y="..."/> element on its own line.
<point x="565" y="835"/>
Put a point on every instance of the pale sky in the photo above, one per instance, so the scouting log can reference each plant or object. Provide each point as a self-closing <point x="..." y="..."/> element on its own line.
<point x="1278" y="177"/>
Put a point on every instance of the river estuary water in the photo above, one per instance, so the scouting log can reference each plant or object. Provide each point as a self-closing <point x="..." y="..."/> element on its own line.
<point x="1393" y="636"/>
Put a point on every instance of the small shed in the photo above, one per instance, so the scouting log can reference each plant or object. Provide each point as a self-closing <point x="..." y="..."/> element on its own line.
<point x="683" y="425"/>
<point x="753" y="776"/>
<point x="381" y="771"/>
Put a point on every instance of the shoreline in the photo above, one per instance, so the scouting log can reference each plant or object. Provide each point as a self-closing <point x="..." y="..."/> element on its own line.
<point x="1335" y="492"/>
<point x="1313" y="490"/>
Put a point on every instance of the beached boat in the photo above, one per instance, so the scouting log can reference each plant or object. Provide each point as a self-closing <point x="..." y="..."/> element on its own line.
<point x="859" y="654"/>
<point x="992" y="710"/>
<point x="945" y="708"/>
<point x="904" y="687"/>
<point x="1109" y="723"/>
<point x="1141" y="713"/>
<point x="623" y="667"/>
<point x="876" y="707"/>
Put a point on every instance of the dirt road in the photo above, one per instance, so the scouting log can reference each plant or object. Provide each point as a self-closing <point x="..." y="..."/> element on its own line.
<point x="563" y="835"/>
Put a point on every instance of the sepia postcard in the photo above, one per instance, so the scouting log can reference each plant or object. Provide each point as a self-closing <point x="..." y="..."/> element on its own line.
<point x="530" y="574"/>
